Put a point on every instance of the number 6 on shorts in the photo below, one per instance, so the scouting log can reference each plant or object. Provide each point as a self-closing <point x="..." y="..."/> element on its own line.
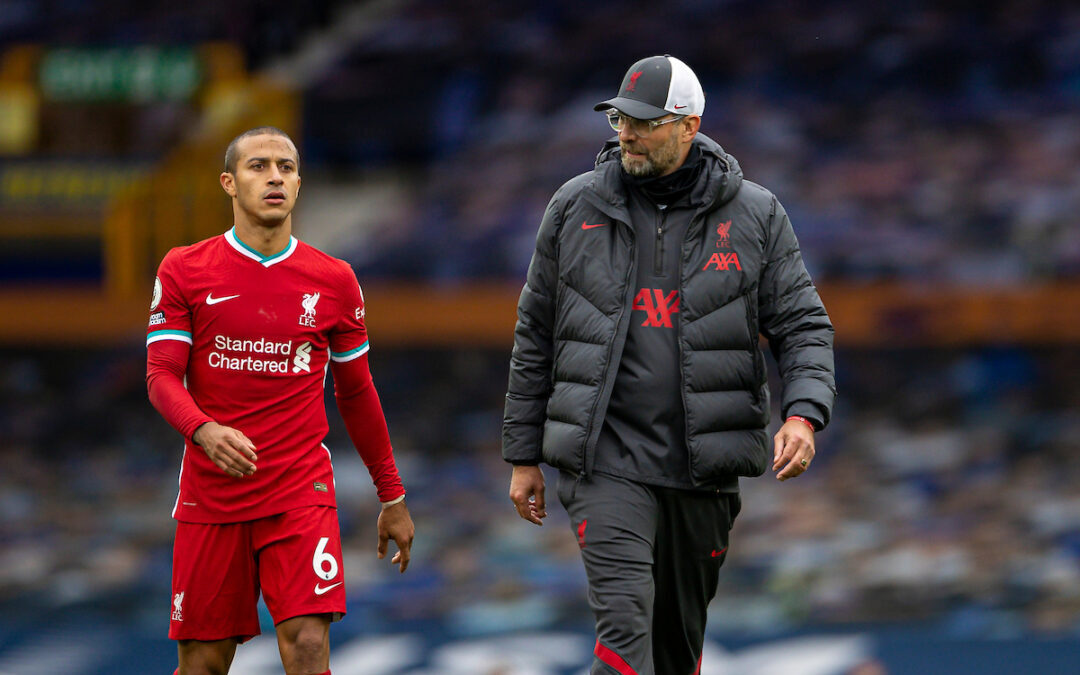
<point x="324" y="564"/>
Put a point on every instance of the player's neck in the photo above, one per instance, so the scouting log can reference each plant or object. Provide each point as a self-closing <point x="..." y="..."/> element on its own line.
<point x="267" y="239"/>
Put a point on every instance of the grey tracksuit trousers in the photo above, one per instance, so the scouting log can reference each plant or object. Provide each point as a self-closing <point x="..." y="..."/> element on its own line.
<point x="652" y="557"/>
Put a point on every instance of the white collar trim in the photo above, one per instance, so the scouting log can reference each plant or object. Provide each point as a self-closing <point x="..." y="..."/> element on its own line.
<point x="264" y="260"/>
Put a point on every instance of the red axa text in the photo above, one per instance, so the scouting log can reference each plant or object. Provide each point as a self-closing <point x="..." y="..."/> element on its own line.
<point x="723" y="261"/>
<point x="657" y="306"/>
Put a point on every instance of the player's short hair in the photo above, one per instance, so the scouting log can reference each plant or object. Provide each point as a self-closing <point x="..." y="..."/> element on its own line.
<point x="230" y="152"/>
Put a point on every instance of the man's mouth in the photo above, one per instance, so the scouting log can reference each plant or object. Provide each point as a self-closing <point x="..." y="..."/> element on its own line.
<point x="275" y="197"/>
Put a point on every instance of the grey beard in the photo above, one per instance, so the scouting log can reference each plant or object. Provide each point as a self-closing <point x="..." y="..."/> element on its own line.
<point x="656" y="163"/>
<point x="645" y="169"/>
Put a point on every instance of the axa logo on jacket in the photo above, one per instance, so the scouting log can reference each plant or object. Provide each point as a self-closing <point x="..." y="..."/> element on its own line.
<point x="723" y="261"/>
<point x="657" y="306"/>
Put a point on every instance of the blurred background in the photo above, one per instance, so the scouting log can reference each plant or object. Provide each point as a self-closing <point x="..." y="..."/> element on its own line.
<point x="929" y="156"/>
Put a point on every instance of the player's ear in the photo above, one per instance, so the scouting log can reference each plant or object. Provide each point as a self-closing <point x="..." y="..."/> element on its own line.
<point x="298" y="181"/>
<point x="228" y="183"/>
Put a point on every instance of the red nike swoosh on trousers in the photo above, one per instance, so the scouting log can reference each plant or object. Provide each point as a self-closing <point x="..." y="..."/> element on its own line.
<point x="585" y="225"/>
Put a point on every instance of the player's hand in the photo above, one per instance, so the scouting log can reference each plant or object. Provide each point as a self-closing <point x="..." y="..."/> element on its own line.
<point x="228" y="448"/>
<point x="793" y="449"/>
<point x="396" y="523"/>
<point x="527" y="493"/>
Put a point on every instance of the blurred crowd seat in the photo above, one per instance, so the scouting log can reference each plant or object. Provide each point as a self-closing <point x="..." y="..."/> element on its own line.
<point x="912" y="141"/>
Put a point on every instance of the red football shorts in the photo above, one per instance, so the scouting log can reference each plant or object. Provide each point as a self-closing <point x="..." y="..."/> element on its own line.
<point x="294" y="558"/>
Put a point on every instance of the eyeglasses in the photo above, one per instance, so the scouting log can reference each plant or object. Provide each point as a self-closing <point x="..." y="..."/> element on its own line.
<point x="641" y="128"/>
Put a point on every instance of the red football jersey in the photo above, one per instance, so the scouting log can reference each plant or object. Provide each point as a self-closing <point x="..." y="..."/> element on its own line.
<point x="262" y="331"/>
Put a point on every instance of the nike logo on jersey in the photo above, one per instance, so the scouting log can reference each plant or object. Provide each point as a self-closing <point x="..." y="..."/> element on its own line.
<point x="319" y="590"/>
<point x="585" y="225"/>
<point x="717" y="554"/>
<point x="211" y="300"/>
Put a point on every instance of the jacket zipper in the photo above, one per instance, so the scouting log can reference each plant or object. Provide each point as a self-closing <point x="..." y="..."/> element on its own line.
<point x="611" y="346"/>
<point x="680" y="270"/>
<point x="658" y="249"/>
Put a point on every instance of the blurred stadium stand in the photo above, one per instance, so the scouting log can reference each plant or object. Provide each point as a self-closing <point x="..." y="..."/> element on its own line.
<point x="929" y="154"/>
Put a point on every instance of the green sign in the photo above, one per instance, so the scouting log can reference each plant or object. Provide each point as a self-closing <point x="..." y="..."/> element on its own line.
<point x="135" y="74"/>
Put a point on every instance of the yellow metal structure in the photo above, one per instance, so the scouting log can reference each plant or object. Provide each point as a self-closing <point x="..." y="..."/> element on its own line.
<point x="178" y="201"/>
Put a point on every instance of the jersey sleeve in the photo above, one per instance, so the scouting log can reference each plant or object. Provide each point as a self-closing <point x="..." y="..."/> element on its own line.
<point x="166" y="365"/>
<point x="170" y="312"/>
<point x="358" y="402"/>
<point x="349" y="339"/>
<point x="168" y="345"/>
<point x="355" y="391"/>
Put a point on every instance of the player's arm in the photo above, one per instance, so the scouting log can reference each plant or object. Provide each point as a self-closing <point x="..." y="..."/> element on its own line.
<point x="228" y="448"/>
<point x="168" y="348"/>
<point x="358" y="402"/>
<point x="364" y="421"/>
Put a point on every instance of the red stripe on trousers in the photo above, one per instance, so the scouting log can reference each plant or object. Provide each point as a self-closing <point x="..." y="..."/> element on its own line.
<point x="697" y="671"/>
<point x="614" y="660"/>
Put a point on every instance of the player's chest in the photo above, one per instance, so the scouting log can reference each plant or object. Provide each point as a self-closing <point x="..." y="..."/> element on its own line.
<point x="257" y="306"/>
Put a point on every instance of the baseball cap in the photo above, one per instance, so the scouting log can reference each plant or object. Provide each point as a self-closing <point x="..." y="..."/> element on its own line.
<point x="656" y="86"/>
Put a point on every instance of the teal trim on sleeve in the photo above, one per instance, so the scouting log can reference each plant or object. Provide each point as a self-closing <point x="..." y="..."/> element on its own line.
<point x="166" y="333"/>
<point x="351" y="354"/>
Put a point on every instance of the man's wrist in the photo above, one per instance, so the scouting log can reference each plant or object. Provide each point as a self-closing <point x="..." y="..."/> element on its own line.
<point x="392" y="502"/>
<point x="195" y="432"/>
<point x="803" y="420"/>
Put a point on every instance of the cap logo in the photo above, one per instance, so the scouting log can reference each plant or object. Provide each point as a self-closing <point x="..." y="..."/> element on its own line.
<point x="633" y="80"/>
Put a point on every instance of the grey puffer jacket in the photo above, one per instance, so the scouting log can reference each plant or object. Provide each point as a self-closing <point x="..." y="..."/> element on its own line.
<point x="742" y="274"/>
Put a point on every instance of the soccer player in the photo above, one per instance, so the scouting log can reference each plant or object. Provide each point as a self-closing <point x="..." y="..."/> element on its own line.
<point x="242" y="329"/>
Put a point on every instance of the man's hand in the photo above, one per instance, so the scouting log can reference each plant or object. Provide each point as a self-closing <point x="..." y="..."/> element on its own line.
<point x="527" y="493"/>
<point x="793" y="449"/>
<point x="396" y="523"/>
<point x="228" y="448"/>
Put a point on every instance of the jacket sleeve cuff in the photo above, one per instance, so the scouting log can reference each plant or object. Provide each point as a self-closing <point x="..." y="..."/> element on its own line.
<point x="808" y="410"/>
